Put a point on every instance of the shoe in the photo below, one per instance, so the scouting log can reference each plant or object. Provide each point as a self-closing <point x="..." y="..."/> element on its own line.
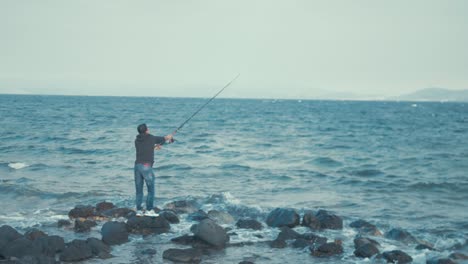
<point x="140" y="213"/>
<point x="151" y="213"/>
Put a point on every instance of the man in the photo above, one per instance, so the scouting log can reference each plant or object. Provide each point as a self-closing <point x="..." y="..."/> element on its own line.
<point x="145" y="144"/>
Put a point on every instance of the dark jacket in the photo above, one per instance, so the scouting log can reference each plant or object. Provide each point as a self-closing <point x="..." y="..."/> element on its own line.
<point x="144" y="144"/>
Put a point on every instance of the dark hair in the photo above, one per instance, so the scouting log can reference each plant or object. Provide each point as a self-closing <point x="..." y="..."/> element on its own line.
<point x="142" y="128"/>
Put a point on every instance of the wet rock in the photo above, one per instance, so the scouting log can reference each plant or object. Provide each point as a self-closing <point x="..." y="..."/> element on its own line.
<point x="148" y="225"/>
<point x="84" y="226"/>
<point x="458" y="256"/>
<point x="41" y="259"/>
<point x="310" y="220"/>
<point x="149" y="251"/>
<point x="401" y="235"/>
<point x="366" y="228"/>
<point x="288" y="234"/>
<point x="366" y="251"/>
<point x="8" y="233"/>
<point x="63" y="222"/>
<point x="278" y="243"/>
<point x="99" y="248"/>
<point x="221" y="218"/>
<point x="397" y="256"/>
<point x="114" y="233"/>
<point x="197" y="216"/>
<point x="313" y="239"/>
<point x="82" y="211"/>
<point x="104" y="206"/>
<point x="328" y="220"/>
<point x="34" y="233"/>
<point x="249" y="224"/>
<point x="327" y="250"/>
<point x="246" y="262"/>
<point x="48" y="245"/>
<point x="170" y="216"/>
<point x="76" y="250"/>
<point x="425" y="246"/>
<point x="283" y="217"/>
<point x="193" y="241"/>
<point x="210" y="232"/>
<point x="301" y="243"/>
<point x="183" y="255"/>
<point x="182" y="207"/>
<point x="441" y="261"/>
<point x="18" y="248"/>
<point x="361" y="241"/>
<point x="118" y="212"/>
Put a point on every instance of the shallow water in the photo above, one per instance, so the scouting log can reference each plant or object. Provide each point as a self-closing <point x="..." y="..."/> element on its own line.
<point x="393" y="164"/>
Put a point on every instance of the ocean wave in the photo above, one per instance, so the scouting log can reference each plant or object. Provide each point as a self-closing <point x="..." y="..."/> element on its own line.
<point x="23" y="190"/>
<point x="17" y="165"/>
<point x="326" y="161"/>
<point x="442" y="186"/>
<point x="235" y="167"/>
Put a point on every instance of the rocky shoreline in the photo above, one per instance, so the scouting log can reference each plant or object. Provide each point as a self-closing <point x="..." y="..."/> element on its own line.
<point x="203" y="238"/>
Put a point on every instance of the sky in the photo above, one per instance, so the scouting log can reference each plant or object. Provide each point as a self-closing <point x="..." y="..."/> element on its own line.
<point x="282" y="49"/>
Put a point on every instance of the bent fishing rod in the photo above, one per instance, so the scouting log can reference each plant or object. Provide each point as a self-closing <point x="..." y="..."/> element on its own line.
<point x="203" y="106"/>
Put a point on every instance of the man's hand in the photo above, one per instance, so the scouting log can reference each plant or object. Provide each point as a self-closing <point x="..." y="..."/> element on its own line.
<point x="157" y="147"/>
<point x="169" y="138"/>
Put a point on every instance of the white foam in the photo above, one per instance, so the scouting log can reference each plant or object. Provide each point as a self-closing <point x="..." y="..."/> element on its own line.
<point x="17" y="165"/>
<point x="230" y="198"/>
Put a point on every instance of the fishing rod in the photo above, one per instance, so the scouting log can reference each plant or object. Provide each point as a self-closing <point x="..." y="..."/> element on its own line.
<point x="203" y="106"/>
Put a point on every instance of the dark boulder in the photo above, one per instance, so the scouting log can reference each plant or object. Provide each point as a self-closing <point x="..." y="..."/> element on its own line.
<point x="365" y="228"/>
<point x="313" y="240"/>
<point x="183" y="255"/>
<point x="425" y="246"/>
<point x="366" y="251"/>
<point x="148" y="225"/>
<point x="210" y="232"/>
<point x="397" y="256"/>
<point x="301" y="243"/>
<point x="34" y="233"/>
<point x="104" y="206"/>
<point x="118" y="212"/>
<point x="8" y="233"/>
<point x="441" y="261"/>
<point x="221" y="218"/>
<point x="182" y="207"/>
<point x="197" y="216"/>
<point x="246" y="262"/>
<point x="18" y="248"/>
<point x="401" y="235"/>
<point x="170" y="216"/>
<point x="48" y="245"/>
<point x="99" y="248"/>
<point x="278" y="243"/>
<point x="327" y="250"/>
<point x="283" y="217"/>
<point x="249" y="224"/>
<point x="82" y="226"/>
<point x="63" y="222"/>
<point x="76" y="250"/>
<point x="41" y="259"/>
<point x="288" y="234"/>
<point x="458" y="256"/>
<point x="114" y="233"/>
<point x="328" y="220"/>
<point x="310" y="220"/>
<point x="193" y="241"/>
<point x="361" y="241"/>
<point x="82" y="211"/>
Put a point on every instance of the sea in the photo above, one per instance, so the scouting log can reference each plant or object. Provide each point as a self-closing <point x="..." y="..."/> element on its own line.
<point x="394" y="164"/>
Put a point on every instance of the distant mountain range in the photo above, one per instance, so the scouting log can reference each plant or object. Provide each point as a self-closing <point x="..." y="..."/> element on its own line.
<point x="435" y="94"/>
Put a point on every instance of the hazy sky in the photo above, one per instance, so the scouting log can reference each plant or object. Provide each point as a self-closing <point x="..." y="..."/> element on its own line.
<point x="282" y="49"/>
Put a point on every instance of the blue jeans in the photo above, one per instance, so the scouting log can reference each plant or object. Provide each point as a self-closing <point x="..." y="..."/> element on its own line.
<point x="144" y="173"/>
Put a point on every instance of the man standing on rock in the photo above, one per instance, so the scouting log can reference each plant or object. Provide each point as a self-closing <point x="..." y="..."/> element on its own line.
<point x="145" y="144"/>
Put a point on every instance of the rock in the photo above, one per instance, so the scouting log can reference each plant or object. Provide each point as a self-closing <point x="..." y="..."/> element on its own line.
<point x="425" y="246"/>
<point x="221" y="218"/>
<point x="366" y="228"/>
<point x="183" y="255"/>
<point x="327" y="250"/>
<point x="41" y="259"/>
<point x="48" y="245"/>
<point x="34" y="233"/>
<point x="197" y="216"/>
<point x="310" y="220"/>
<point x="210" y="232"/>
<point x="170" y="216"/>
<point x="114" y="233"/>
<point x="8" y="233"/>
<point x="18" y="248"/>
<point x="182" y="207"/>
<point x="249" y="224"/>
<point x="301" y="243"/>
<point x="401" y="235"/>
<point x="149" y="251"/>
<point x="118" y="212"/>
<point x="313" y="240"/>
<point x="366" y="251"/>
<point x="193" y="241"/>
<point x="399" y="256"/>
<point x="104" y="206"/>
<point x="440" y="261"/>
<point x="148" y="225"/>
<point x="82" y="211"/>
<point x="99" y="248"/>
<point x="283" y="217"/>
<point x="76" y="250"/>
<point x="84" y="226"/>
<point x="63" y="222"/>
<point x="288" y="234"/>
<point x="458" y="256"/>
<point x="361" y="241"/>
<point x="328" y="220"/>
<point x="278" y="243"/>
<point x="246" y="262"/>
